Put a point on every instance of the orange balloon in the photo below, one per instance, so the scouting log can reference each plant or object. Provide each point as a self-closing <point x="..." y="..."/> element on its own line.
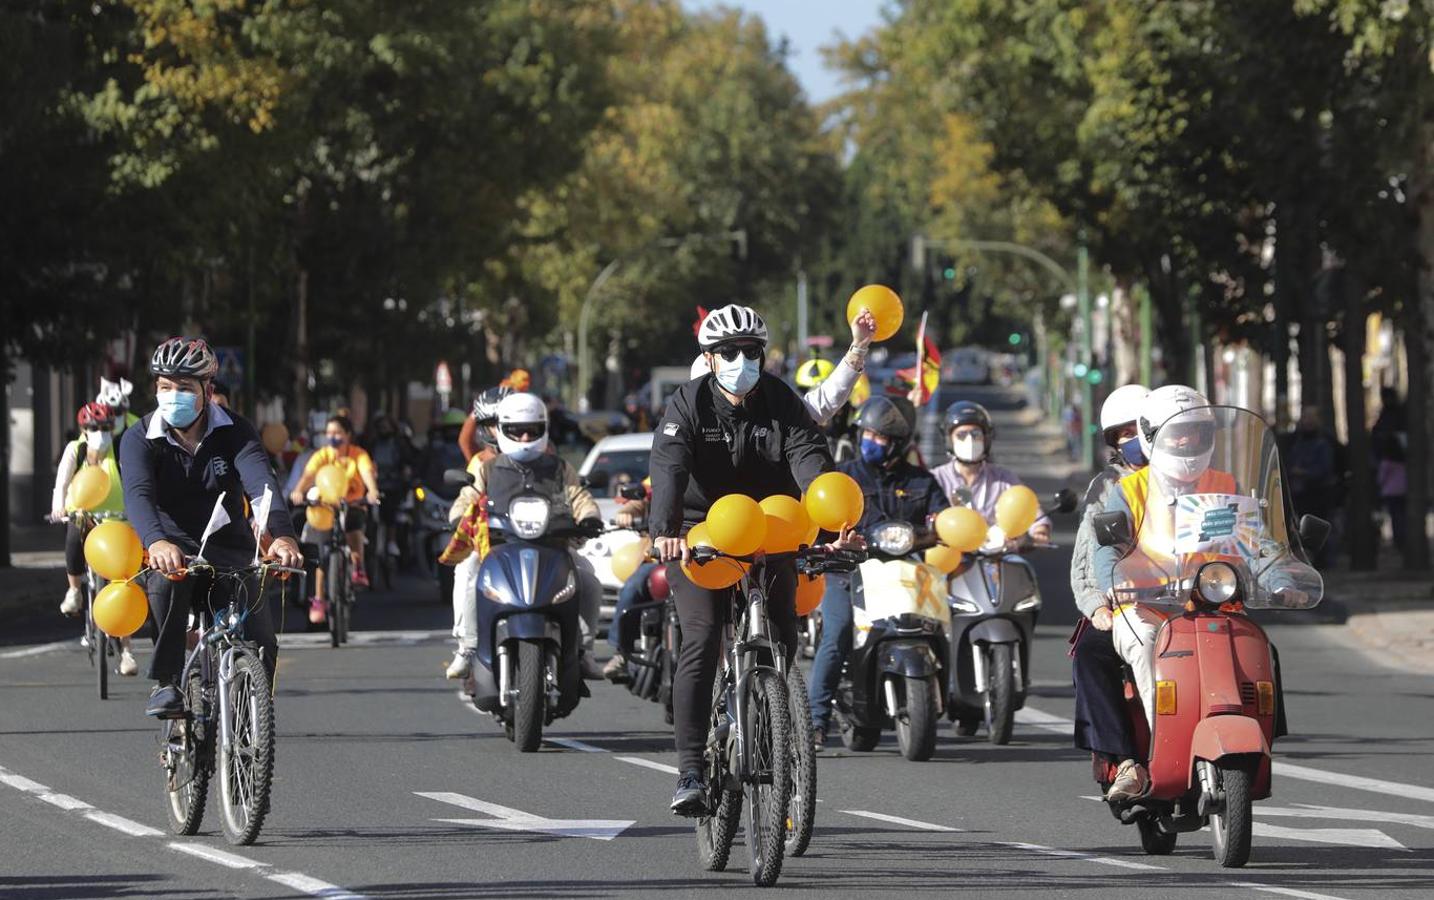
<point x="961" y="528"/>
<point x="714" y="575"/>
<point x="113" y="550"/>
<point x="736" y="525"/>
<point x="884" y="304"/>
<point x="1016" y="510"/>
<point x="332" y="482"/>
<point x="834" y="501"/>
<point x="88" y="489"/>
<point x="809" y="593"/>
<point x="946" y="559"/>
<point x="274" y="436"/>
<point x="320" y="518"/>
<point x="787" y="523"/>
<point x="120" y="608"/>
<point x="626" y="559"/>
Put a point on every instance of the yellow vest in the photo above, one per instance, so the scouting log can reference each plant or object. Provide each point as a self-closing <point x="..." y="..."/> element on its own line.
<point x="114" y="500"/>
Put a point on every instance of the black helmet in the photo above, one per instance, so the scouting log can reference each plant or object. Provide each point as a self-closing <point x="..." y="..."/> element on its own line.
<point x="881" y="415"/>
<point x="969" y="412"/>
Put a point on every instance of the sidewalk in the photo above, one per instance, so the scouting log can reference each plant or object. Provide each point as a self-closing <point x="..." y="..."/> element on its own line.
<point x="37" y="573"/>
<point x="1390" y="611"/>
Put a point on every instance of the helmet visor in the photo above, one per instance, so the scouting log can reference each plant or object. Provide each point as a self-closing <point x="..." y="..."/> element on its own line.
<point x="1185" y="439"/>
<point x="524" y="432"/>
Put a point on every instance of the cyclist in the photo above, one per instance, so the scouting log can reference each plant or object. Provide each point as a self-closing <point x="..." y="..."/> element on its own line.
<point x="737" y="430"/>
<point x="392" y="456"/>
<point x="175" y="464"/>
<point x="94" y="447"/>
<point x="1101" y="723"/>
<point x="969" y="435"/>
<point x="894" y="490"/>
<point x="362" y="485"/>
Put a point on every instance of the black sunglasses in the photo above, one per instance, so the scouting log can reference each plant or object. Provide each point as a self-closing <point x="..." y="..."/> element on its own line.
<point x="732" y="351"/>
<point x="524" y="431"/>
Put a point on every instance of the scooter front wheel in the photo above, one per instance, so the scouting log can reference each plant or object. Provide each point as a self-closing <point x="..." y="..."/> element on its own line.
<point x="1001" y="693"/>
<point x="528" y="709"/>
<point x="916" y="728"/>
<point x="1231" y="828"/>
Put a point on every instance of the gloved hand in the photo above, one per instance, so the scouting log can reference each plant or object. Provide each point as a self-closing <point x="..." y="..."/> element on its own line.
<point x="590" y="527"/>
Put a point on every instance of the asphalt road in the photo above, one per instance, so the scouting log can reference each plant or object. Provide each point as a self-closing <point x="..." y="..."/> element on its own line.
<point x="388" y="785"/>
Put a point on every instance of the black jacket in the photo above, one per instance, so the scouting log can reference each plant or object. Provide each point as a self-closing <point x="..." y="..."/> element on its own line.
<point x="903" y="492"/>
<point x="706" y="448"/>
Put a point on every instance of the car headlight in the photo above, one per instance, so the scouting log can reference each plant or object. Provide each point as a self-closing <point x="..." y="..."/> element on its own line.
<point x="894" y="538"/>
<point x="529" y="516"/>
<point x="1217" y="583"/>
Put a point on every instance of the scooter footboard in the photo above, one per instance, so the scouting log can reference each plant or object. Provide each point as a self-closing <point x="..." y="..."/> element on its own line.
<point x="1219" y="737"/>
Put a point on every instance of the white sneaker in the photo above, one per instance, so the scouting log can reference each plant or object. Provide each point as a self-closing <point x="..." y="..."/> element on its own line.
<point x="70" y="606"/>
<point x="460" y="667"/>
<point x="1131" y="782"/>
<point x="127" y="666"/>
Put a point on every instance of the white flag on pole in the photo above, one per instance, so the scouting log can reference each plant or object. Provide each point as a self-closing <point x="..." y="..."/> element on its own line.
<point x="261" y="519"/>
<point x="217" y="520"/>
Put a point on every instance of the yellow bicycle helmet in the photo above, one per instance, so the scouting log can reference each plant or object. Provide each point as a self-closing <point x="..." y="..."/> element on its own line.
<point x="813" y="372"/>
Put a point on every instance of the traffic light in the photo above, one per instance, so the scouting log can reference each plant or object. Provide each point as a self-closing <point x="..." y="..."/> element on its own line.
<point x="1094" y="376"/>
<point x="949" y="273"/>
<point x="1080" y="370"/>
<point x="1015" y="339"/>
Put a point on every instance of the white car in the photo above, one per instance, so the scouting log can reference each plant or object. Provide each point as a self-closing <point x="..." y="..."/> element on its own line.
<point x="614" y="461"/>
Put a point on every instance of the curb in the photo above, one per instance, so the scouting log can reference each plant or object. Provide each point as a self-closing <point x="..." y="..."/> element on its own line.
<point x="1404" y="638"/>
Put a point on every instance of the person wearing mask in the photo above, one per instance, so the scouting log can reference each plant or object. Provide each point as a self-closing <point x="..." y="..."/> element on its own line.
<point x="470" y="519"/>
<point x="1102" y="725"/>
<point x="893" y="490"/>
<point x="94" y="447"/>
<point x="362" y="487"/>
<point x="970" y="434"/>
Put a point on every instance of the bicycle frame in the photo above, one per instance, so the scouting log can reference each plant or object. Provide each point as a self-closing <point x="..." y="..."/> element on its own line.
<point x="749" y="642"/>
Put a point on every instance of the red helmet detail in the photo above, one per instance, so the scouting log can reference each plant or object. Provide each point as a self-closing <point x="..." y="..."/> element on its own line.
<point x="94" y="415"/>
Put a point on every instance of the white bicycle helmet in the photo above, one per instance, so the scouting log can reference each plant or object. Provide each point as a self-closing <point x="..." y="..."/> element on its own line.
<point x="1177" y="432"/>
<point x="522" y="427"/>
<point x="185" y="358"/>
<point x="1121" y="408"/>
<point x="731" y="323"/>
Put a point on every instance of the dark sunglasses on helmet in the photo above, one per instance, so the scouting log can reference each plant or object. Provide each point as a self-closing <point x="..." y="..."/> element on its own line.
<point x="524" y="431"/>
<point x="730" y="352"/>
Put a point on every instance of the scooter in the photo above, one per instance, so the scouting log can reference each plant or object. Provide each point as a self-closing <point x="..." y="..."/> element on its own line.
<point x="895" y="673"/>
<point x="1205" y="557"/>
<point x="995" y="601"/>
<point x="431" y="532"/>
<point x="526" y="672"/>
<point x="653" y="637"/>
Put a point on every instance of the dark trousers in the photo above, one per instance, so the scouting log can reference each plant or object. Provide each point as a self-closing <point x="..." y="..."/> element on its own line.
<point x="1102" y="720"/>
<point x="170" y="603"/>
<point x="74" y="550"/>
<point x="702" y="614"/>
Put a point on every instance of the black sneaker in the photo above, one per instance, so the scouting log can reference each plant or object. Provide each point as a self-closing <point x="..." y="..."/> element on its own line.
<point x="165" y="702"/>
<point x="690" y="798"/>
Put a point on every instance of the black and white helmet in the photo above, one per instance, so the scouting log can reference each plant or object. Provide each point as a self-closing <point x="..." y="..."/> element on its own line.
<point x="185" y="358"/>
<point x="731" y="323"/>
<point x="485" y="405"/>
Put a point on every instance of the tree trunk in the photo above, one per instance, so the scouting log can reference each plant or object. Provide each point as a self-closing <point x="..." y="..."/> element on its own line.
<point x="1360" y="535"/>
<point x="1125" y="334"/>
<point x="1170" y="330"/>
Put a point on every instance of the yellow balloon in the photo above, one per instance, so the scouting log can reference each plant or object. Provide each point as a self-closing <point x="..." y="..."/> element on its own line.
<point x="120" y="608"/>
<point x="714" y="575"/>
<point x="861" y="391"/>
<point x="1016" y="510"/>
<point x="946" y="559"/>
<point x="113" y="550"/>
<point x="736" y="525"/>
<point x="809" y="593"/>
<point x="274" y="436"/>
<point x="88" y="489"/>
<point x="320" y="518"/>
<point x="332" y="482"/>
<point x="961" y="528"/>
<point x="884" y="304"/>
<point x="834" y="501"/>
<point x="787" y="523"/>
<point x="626" y="559"/>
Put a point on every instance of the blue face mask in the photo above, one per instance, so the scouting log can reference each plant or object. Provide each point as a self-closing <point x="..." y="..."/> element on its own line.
<point x="336" y="441"/>
<point x="1131" y="453"/>
<point x="873" y="452"/>
<point x="178" y="408"/>
<point x="738" y="376"/>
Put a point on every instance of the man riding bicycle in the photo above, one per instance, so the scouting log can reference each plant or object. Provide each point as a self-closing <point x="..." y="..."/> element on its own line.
<point x="175" y="464"/>
<point x="735" y="431"/>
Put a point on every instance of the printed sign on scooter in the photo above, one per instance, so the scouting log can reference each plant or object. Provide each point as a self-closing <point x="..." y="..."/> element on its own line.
<point x="1217" y="523"/>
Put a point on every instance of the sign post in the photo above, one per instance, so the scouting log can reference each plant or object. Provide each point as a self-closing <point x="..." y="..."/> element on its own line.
<point x="443" y="383"/>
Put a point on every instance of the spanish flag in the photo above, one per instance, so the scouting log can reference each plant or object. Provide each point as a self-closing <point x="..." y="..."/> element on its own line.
<point x="928" y="363"/>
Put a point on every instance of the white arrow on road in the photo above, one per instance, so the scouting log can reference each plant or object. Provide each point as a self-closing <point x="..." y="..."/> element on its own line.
<point x="1348" y="837"/>
<point x="508" y="819"/>
<point x="1311" y="811"/>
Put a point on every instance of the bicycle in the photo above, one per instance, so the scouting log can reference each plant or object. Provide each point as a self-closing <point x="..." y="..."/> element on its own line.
<point x="99" y="647"/>
<point x="752" y="757"/>
<point x="336" y="564"/>
<point x="224" y="684"/>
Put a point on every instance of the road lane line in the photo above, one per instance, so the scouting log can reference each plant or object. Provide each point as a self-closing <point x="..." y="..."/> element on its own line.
<point x="1283" y="891"/>
<point x="1358" y="782"/>
<point x="1080" y="855"/>
<point x="313" y="886"/>
<point x="65" y="801"/>
<point x="214" y="855"/>
<point x="120" y="823"/>
<point x="1044" y="721"/>
<point x="574" y="744"/>
<point x="20" y="782"/>
<point x="36" y="650"/>
<point x="898" y="820"/>
<point x="648" y="764"/>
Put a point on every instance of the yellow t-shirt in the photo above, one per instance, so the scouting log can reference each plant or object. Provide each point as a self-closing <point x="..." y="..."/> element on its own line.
<point x="353" y="460"/>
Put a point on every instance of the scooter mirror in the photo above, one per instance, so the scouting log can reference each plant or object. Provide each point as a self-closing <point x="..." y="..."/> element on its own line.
<point x="1065" y="501"/>
<point x="596" y="480"/>
<point x="1314" y="531"/>
<point x="632" y="492"/>
<point x="458" y="477"/>
<point x="1112" y="529"/>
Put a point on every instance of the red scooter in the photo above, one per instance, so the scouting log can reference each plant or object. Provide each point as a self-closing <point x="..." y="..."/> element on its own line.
<point x="1206" y="549"/>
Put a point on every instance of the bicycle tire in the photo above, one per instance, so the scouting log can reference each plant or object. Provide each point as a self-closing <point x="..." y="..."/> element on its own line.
<point x="99" y="642"/>
<point x="246" y="772"/>
<point x="803" y="807"/>
<point x="187" y="798"/>
<point x="333" y="572"/>
<point x="715" y="833"/>
<point x="768" y="785"/>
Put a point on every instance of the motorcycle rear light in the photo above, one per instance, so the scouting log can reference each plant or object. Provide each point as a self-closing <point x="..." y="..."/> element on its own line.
<point x="1266" y="691"/>
<point x="1165" y="698"/>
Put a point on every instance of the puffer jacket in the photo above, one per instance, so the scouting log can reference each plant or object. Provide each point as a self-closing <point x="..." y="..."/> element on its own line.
<point x="1084" y="583"/>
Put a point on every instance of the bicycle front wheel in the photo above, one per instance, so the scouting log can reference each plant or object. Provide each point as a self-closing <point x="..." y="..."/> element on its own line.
<point x="246" y="752"/>
<point x="768" y="778"/>
<point x="334" y="576"/>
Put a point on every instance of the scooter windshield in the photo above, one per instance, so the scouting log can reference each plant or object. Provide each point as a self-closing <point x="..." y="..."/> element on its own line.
<point x="1213" y="492"/>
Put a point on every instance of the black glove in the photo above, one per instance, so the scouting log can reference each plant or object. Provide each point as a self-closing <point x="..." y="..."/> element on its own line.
<point x="591" y="527"/>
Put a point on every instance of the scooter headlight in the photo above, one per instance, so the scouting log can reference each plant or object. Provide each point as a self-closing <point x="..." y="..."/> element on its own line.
<point x="529" y="516"/>
<point x="1217" y="583"/>
<point x="1031" y="602"/>
<point x="860" y="625"/>
<point x="964" y="607"/>
<point x="568" y="590"/>
<point x="894" y="538"/>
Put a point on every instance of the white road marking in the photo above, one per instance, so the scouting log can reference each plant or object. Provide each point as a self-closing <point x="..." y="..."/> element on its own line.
<point x="1283" y="891"/>
<point x="120" y="823"/>
<point x="648" y="764"/>
<point x="1044" y="721"/>
<point x="1358" y="782"/>
<point x="38" y="649"/>
<point x="20" y="782"/>
<point x="508" y="819"/>
<point x="1077" y="854"/>
<point x="1310" y="811"/>
<point x="313" y="886"/>
<point x="65" y="801"/>
<point x="1347" y="837"/>
<point x="214" y="855"/>
<point x="574" y="744"/>
<point x="299" y="640"/>
<point x="898" y="820"/>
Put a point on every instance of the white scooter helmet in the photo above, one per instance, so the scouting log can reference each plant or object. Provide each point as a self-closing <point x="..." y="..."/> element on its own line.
<point x="522" y="427"/>
<point x="1187" y="460"/>
<point x="1121" y="408"/>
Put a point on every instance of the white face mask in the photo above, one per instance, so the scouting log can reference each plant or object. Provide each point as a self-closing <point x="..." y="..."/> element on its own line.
<point x="969" y="449"/>
<point x="99" y="441"/>
<point x="738" y="376"/>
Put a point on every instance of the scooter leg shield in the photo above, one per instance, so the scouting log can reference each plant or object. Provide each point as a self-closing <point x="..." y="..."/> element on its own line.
<point x="1220" y="736"/>
<point x="485" y="697"/>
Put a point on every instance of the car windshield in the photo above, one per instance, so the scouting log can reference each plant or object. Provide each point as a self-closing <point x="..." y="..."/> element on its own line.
<point x="614" y="468"/>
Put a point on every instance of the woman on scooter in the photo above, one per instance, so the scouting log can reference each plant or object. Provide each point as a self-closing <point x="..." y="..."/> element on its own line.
<point x="1101" y="723"/>
<point x="894" y="490"/>
<point x="969" y="435"/>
